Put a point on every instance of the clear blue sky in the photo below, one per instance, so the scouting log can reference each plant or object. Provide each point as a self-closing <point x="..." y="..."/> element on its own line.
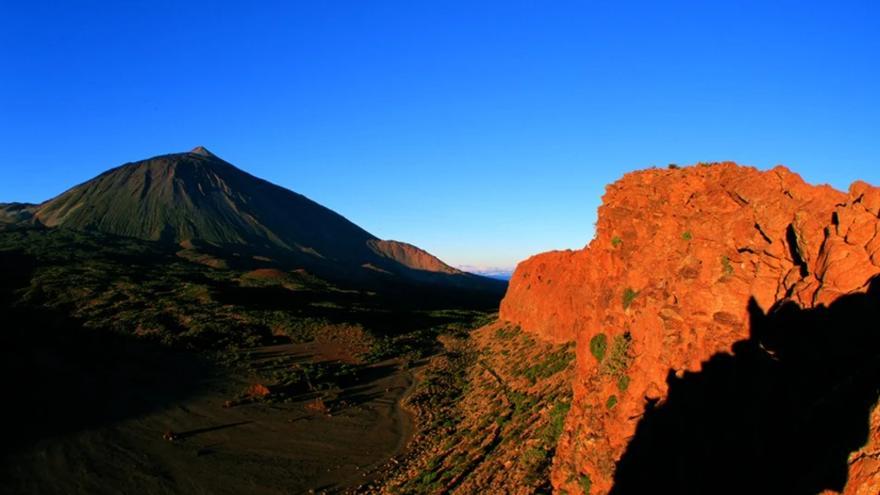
<point x="482" y="131"/>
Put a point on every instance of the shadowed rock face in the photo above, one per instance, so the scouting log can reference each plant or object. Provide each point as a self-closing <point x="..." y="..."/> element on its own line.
<point x="780" y="414"/>
<point x="198" y="199"/>
<point x="680" y="262"/>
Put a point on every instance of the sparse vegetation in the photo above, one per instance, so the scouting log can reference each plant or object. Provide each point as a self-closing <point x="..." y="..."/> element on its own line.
<point x="497" y="417"/>
<point x="150" y="291"/>
<point x="153" y="300"/>
<point x="616" y="241"/>
<point x="726" y="267"/>
<point x="598" y="346"/>
<point x="686" y="235"/>
<point x="673" y="166"/>
<point x="611" y="402"/>
<point x="585" y="482"/>
<point x="629" y="295"/>
<point x="507" y="332"/>
<point x="557" y="420"/>
<point x="534" y="458"/>
<point x="443" y="386"/>
<point x="616" y="360"/>
<point x="619" y="356"/>
<point x="554" y="363"/>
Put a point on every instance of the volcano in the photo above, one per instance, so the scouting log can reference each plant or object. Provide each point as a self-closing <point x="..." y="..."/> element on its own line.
<point x="198" y="199"/>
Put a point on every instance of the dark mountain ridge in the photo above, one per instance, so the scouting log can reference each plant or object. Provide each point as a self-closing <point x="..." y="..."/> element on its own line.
<point x="196" y="199"/>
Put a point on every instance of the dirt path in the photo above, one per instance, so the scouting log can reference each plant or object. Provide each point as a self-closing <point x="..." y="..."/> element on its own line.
<point x="251" y="448"/>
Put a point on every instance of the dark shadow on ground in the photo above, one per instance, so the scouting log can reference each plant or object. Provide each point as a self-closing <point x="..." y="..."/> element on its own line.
<point x="58" y="377"/>
<point x="191" y="433"/>
<point x="781" y="415"/>
<point x="381" y="314"/>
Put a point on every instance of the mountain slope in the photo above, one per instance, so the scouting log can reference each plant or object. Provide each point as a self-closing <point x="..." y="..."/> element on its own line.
<point x="198" y="198"/>
<point x="15" y="213"/>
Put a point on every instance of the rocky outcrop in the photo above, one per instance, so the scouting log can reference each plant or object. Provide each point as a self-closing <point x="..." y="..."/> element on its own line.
<point x="682" y="264"/>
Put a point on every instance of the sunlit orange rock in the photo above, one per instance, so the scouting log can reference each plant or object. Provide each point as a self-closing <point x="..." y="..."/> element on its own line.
<point x="258" y="390"/>
<point x="676" y="257"/>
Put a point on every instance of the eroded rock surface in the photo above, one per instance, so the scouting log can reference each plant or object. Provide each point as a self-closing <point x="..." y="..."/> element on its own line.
<point x="682" y="264"/>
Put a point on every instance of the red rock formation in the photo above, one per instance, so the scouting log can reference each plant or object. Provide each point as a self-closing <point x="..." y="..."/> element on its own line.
<point x="676" y="257"/>
<point x="257" y="390"/>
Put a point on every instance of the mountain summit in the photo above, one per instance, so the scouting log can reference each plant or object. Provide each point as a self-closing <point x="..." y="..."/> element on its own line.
<point x="198" y="198"/>
<point x="201" y="150"/>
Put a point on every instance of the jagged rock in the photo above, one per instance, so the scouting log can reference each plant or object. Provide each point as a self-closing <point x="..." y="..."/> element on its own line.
<point x="677" y="257"/>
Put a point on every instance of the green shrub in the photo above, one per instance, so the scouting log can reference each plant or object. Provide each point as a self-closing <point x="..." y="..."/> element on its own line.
<point x="623" y="383"/>
<point x="616" y="241"/>
<point x="629" y="296"/>
<point x="522" y="402"/>
<point x="611" y="402"/>
<point x="598" y="346"/>
<point x="552" y="364"/>
<point x="551" y="432"/>
<point x="507" y="332"/>
<point x="726" y="267"/>
<point x="619" y="356"/>
<point x="673" y="166"/>
<point x="686" y="235"/>
<point x="534" y="458"/>
<point x="586" y="483"/>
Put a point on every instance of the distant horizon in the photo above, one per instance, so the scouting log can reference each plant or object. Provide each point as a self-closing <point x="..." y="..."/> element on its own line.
<point x="500" y="271"/>
<point x="491" y="271"/>
<point x="483" y="134"/>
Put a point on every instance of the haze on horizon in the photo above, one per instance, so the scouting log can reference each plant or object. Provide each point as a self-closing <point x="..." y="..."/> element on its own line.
<point x="481" y="133"/>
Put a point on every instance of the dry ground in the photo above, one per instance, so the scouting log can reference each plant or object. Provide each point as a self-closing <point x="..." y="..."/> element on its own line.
<point x="264" y="446"/>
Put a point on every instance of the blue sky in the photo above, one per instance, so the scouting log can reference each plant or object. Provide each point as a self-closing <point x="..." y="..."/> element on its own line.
<point x="481" y="131"/>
